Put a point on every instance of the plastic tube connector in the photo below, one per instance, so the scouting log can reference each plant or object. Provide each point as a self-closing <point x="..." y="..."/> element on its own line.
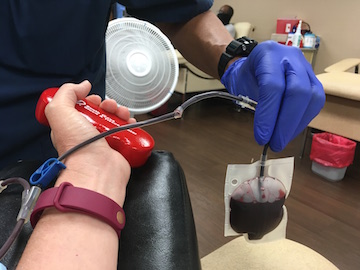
<point x="2" y="187"/>
<point x="29" y="199"/>
<point x="178" y="112"/>
<point x="263" y="159"/>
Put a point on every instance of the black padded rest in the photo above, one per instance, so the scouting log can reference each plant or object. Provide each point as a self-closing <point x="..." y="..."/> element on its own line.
<point x="159" y="232"/>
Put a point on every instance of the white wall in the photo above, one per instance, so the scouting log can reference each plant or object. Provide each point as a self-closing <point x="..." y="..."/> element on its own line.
<point x="336" y="22"/>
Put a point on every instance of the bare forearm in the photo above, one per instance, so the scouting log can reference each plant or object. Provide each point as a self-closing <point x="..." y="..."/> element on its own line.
<point x="70" y="241"/>
<point x="200" y="40"/>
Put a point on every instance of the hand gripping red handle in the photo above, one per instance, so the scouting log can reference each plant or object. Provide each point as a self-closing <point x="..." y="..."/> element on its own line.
<point x="135" y="144"/>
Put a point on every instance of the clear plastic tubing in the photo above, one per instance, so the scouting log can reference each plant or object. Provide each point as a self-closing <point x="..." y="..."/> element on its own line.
<point x="176" y="114"/>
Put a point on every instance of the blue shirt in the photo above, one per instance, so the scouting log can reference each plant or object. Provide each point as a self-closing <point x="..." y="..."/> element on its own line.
<point x="45" y="43"/>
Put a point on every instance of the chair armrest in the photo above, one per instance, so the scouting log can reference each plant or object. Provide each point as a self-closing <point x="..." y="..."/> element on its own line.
<point x="341" y="84"/>
<point x="243" y="29"/>
<point x="160" y="230"/>
<point x="343" y="65"/>
<point x="180" y="58"/>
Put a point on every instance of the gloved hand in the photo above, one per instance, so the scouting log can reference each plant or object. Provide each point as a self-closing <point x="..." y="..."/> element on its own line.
<point x="283" y="83"/>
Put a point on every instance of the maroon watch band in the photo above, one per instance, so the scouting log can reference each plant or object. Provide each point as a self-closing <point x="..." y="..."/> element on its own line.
<point x="67" y="198"/>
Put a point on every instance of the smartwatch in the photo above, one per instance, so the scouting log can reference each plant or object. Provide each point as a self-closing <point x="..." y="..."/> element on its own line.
<point x="238" y="47"/>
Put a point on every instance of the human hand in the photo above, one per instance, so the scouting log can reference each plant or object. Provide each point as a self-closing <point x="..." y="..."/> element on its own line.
<point x="283" y="83"/>
<point x="97" y="166"/>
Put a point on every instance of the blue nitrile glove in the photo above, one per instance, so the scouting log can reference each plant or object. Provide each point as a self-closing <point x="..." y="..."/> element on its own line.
<point x="283" y="83"/>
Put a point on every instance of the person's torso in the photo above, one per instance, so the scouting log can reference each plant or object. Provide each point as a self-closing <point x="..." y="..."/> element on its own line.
<point x="45" y="44"/>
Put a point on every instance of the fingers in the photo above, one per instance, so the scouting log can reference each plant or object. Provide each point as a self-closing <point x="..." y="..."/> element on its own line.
<point x="112" y="107"/>
<point x="314" y="106"/>
<point x="283" y="83"/>
<point x="271" y="83"/>
<point x="296" y="98"/>
<point x="290" y="96"/>
<point x="95" y="99"/>
<point x="69" y="94"/>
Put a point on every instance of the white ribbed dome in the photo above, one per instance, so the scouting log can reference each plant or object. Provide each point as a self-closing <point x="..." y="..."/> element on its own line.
<point x="142" y="67"/>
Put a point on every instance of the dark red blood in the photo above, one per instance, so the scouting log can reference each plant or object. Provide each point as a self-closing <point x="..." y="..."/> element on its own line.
<point x="256" y="218"/>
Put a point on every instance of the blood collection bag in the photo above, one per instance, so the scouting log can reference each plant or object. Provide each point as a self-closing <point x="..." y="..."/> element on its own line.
<point x="254" y="205"/>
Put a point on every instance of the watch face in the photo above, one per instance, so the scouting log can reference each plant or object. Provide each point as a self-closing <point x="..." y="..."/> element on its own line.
<point x="245" y="46"/>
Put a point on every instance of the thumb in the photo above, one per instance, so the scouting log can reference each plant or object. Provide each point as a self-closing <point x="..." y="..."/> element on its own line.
<point x="68" y="94"/>
<point x="64" y="101"/>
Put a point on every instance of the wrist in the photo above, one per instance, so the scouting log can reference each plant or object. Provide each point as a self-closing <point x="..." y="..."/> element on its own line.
<point x="233" y="78"/>
<point x="231" y="62"/>
<point x="68" y="198"/>
<point x="240" y="47"/>
<point x="105" y="174"/>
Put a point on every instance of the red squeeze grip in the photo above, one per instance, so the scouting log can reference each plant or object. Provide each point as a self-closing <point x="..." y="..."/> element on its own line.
<point x="135" y="144"/>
